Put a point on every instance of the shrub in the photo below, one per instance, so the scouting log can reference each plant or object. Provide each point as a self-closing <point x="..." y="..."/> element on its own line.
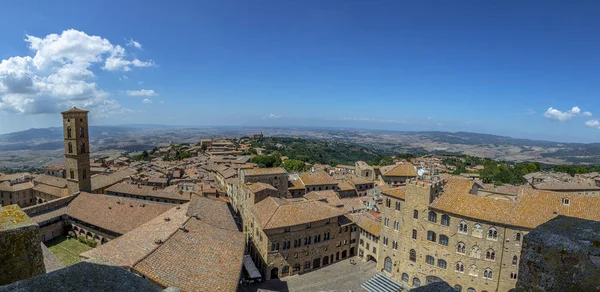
<point x="82" y="239"/>
<point x="92" y="242"/>
<point x="71" y="234"/>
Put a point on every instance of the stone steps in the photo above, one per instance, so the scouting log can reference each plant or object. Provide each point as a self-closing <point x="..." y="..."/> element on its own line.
<point x="381" y="283"/>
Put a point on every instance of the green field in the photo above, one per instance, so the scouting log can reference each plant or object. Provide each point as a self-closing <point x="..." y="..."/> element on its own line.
<point x="67" y="250"/>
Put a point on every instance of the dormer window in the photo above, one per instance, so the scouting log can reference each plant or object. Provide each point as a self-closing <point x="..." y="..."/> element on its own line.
<point x="566" y="201"/>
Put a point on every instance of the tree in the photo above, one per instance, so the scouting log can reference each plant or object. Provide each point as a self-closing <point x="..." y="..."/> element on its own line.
<point x="294" y="165"/>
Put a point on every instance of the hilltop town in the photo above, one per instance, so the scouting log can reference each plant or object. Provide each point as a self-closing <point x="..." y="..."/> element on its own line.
<point x="239" y="213"/>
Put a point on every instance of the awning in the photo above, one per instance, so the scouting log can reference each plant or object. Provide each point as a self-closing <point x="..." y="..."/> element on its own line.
<point x="251" y="267"/>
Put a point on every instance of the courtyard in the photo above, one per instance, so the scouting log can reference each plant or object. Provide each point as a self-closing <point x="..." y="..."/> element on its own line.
<point x="341" y="276"/>
<point x="67" y="250"/>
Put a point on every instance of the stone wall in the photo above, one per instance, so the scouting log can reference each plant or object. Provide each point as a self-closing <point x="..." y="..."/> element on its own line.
<point x="20" y="250"/>
<point x="562" y="254"/>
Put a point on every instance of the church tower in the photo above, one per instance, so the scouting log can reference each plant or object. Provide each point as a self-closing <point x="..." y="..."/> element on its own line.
<point x="77" y="156"/>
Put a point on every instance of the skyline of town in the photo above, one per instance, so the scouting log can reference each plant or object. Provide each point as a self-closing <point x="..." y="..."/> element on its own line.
<point x="393" y="66"/>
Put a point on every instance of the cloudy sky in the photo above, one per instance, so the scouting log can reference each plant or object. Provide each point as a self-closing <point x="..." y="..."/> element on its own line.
<point x="516" y="68"/>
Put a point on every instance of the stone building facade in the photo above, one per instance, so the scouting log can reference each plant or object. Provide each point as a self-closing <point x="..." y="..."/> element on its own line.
<point x="76" y="145"/>
<point x="275" y="176"/>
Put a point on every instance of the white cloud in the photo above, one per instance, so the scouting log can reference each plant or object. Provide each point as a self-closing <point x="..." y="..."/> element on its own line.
<point x="59" y="74"/>
<point x="132" y="43"/>
<point x="557" y="115"/>
<point x="530" y="112"/>
<point x="593" y="124"/>
<point x="146" y="100"/>
<point x="273" y="116"/>
<point x="141" y="92"/>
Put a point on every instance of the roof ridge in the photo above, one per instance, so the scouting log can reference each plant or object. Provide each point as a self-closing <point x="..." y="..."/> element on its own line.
<point x="272" y="214"/>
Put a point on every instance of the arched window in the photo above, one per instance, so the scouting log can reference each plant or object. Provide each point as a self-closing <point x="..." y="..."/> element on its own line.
<point x="405" y="277"/>
<point x="285" y="270"/>
<point x="515" y="260"/>
<point x="492" y="233"/>
<point x="459" y="267"/>
<point x="82" y="147"/>
<point x="471" y="290"/>
<point x="458" y="288"/>
<point x="443" y="240"/>
<point x="415" y="214"/>
<point x="81" y="135"/>
<point x="72" y="173"/>
<point x="475" y="252"/>
<point x="416" y="282"/>
<point x="69" y="135"/>
<point x="463" y="227"/>
<point x="473" y="270"/>
<point x="412" y="256"/>
<point x="296" y="267"/>
<point x="70" y="146"/>
<point x="446" y="220"/>
<point x="518" y="236"/>
<point x="431" y="236"/>
<point x="387" y="265"/>
<point x="432" y="217"/>
<point x="430" y="260"/>
<point x="442" y="264"/>
<point x="461" y="248"/>
<point x="490" y="255"/>
<point x="477" y="231"/>
<point x="487" y="273"/>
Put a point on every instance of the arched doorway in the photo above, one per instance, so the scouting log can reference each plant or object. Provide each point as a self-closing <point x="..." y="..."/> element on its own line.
<point x="337" y="256"/>
<point x="352" y="252"/>
<point x="387" y="265"/>
<point x="344" y="254"/>
<point x="326" y="260"/>
<point x="371" y="258"/>
<point x="275" y="273"/>
<point x="316" y="263"/>
<point x="104" y="240"/>
<point x="432" y="279"/>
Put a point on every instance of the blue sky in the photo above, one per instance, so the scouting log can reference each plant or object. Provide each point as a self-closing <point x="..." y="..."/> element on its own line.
<point x="517" y="68"/>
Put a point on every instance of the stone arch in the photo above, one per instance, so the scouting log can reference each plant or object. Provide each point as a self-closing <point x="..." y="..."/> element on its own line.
<point x="104" y="240"/>
<point x="344" y="254"/>
<point x="325" y="260"/>
<point x="274" y="273"/>
<point x="352" y="252"/>
<point x="88" y="235"/>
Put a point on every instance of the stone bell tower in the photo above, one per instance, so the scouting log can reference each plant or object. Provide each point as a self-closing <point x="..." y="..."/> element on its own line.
<point x="77" y="145"/>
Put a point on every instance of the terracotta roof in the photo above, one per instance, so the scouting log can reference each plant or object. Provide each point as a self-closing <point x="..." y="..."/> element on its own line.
<point x="100" y="181"/>
<point x="74" y="110"/>
<point x="583" y="185"/>
<point x="54" y="181"/>
<point x="149" y="191"/>
<point x="272" y="214"/>
<point x="42" y="217"/>
<point x="368" y="223"/>
<point x="112" y="213"/>
<point x="206" y="256"/>
<point x="264" y="171"/>
<point x="133" y="246"/>
<point x="352" y="204"/>
<point x="358" y="180"/>
<point x="402" y="169"/>
<point x="7" y="187"/>
<point x="295" y="185"/>
<point x="259" y="186"/>
<point x="329" y="196"/>
<point x="51" y="190"/>
<point x="399" y="192"/>
<point x="316" y="178"/>
<point x="345" y="186"/>
<point x="13" y="176"/>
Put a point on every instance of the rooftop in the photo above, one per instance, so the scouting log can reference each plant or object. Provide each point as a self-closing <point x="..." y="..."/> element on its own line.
<point x="264" y="171"/>
<point x="272" y="213"/>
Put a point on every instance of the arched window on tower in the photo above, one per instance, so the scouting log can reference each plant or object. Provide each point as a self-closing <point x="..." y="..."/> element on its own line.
<point x="72" y="174"/>
<point x="518" y="236"/>
<point x="387" y="264"/>
<point x="70" y="146"/>
<point x="460" y="267"/>
<point x="82" y="147"/>
<point x="515" y="260"/>
<point x="81" y="133"/>
<point x="69" y="135"/>
<point x="487" y="273"/>
<point x="83" y="174"/>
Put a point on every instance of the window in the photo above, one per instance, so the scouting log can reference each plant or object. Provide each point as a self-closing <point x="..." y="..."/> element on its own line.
<point x="307" y="240"/>
<point x="413" y="255"/>
<point x="490" y="255"/>
<point x="566" y="201"/>
<point x="274" y="246"/>
<point x="388" y="202"/>
<point x="459" y="267"/>
<point x="386" y="221"/>
<point x="477" y="231"/>
<point x="462" y="227"/>
<point x="443" y="240"/>
<point x="431" y="236"/>
<point x="515" y="260"/>
<point x="492" y="234"/>
<point x="397" y="205"/>
<point x="70" y="146"/>
<point x="513" y="276"/>
<point x="518" y="237"/>
<point x="487" y="274"/>
<point x="442" y="264"/>
<point x="83" y="174"/>
<point x="81" y="132"/>
<point x="405" y="277"/>
<point x="473" y="271"/>
<point x="430" y="260"/>
<point x="72" y="173"/>
<point x="414" y="234"/>
<point x="307" y="225"/>
<point x="385" y="240"/>
<point x="416" y="214"/>
<point x="286" y="229"/>
<point x="296" y="267"/>
<point x="461" y="248"/>
<point x="387" y="265"/>
<point x="458" y="288"/>
<point x="475" y="252"/>
<point x="396" y="225"/>
<point x="432" y="217"/>
<point x="307" y="264"/>
<point x="395" y="244"/>
<point x="326" y="236"/>
<point x="416" y="282"/>
<point x="82" y="147"/>
<point x="69" y="135"/>
<point x="285" y="270"/>
<point x="446" y="220"/>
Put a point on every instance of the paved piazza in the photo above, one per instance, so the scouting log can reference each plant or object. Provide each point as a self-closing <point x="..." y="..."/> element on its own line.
<point x="341" y="276"/>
